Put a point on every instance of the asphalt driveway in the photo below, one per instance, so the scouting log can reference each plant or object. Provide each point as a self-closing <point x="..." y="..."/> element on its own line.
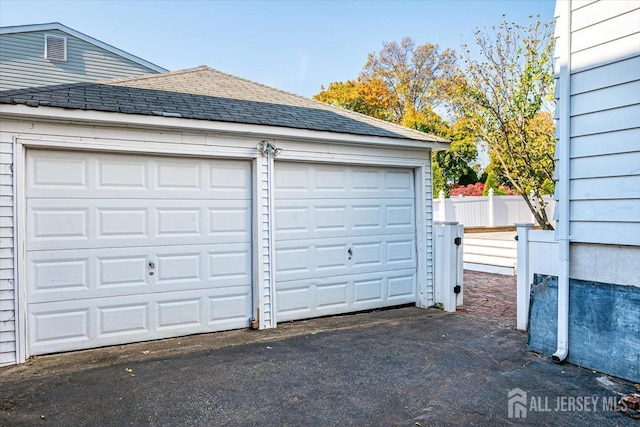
<point x="397" y="367"/>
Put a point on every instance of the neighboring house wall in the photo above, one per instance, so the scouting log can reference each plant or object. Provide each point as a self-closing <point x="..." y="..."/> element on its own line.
<point x="602" y="69"/>
<point x="23" y="63"/>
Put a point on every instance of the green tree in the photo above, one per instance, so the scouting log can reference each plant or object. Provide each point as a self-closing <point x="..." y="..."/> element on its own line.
<point x="457" y="160"/>
<point x="438" y="179"/>
<point x="455" y="163"/>
<point x="412" y="73"/>
<point x="401" y="84"/>
<point x="504" y="94"/>
<point x="369" y="97"/>
<point x="493" y="182"/>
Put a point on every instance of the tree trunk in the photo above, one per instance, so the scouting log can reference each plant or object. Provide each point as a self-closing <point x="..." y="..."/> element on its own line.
<point x="538" y="210"/>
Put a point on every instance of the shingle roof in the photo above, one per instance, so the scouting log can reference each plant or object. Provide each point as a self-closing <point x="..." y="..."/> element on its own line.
<point x="203" y="93"/>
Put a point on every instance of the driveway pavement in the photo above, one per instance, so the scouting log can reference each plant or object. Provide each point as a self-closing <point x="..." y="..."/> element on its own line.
<point x="404" y="367"/>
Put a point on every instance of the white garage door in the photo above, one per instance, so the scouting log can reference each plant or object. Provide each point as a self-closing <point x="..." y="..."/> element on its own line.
<point x="345" y="239"/>
<point x="124" y="248"/>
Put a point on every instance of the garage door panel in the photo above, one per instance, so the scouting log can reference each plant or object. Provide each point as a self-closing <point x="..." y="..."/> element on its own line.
<point x="121" y="173"/>
<point x="311" y="219"/>
<point x="101" y="175"/>
<point x="398" y="182"/>
<point x="91" y="223"/>
<point x="369" y="290"/>
<point x="300" y="260"/>
<point x="71" y="325"/>
<point x="52" y="171"/>
<point x="368" y="254"/>
<point x="313" y="182"/>
<point x="401" y="287"/>
<point x="123" y="319"/>
<point x="59" y="224"/>
<point x="334" y="295"/>
<point x="64" y="324"/>
<point x="96" y="273"/>
<point x="399" y="216"/>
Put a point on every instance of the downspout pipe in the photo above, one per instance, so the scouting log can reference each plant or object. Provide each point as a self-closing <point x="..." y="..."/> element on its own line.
<point x="564" y="175"/>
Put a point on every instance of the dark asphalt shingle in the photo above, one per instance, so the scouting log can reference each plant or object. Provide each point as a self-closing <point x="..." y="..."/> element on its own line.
<point x="205" y="94"/>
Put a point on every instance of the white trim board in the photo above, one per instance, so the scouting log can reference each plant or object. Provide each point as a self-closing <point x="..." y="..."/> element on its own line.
<point x="22" y="112"/>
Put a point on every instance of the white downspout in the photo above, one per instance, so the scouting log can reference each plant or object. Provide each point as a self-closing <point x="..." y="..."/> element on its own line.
<point x="564" y="176"/>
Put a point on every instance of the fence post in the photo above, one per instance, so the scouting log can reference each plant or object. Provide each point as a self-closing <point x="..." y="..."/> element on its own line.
<point x="523" y="286"/>
<point x="448" y="264"/>
<point x="492" y="213"/>
<point x="442" y="211"/>
<point x="459" y="233"/>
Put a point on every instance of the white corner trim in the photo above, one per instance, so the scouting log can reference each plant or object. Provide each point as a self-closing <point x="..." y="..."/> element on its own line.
<point x="272" y="241"/>
<point x="19" y="233"/>
<point x="257" y="274"/>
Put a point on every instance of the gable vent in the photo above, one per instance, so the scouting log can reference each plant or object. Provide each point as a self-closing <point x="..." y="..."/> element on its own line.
<point x="55" y="47"/>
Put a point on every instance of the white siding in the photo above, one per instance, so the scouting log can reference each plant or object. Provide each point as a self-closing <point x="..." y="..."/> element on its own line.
<point x="605" y="121"/>
<point x="7" y="294"/>
<point x="265" y="239"/>
<point x="22" y="62"/>
<point x="615" y="73"/>
<point x="582" y="17"/>
<point x="428" y="210"/>
<point x="605" y="29"/>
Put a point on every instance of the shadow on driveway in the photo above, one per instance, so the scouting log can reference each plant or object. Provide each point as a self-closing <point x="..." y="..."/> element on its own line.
<point x="405" y="367"/>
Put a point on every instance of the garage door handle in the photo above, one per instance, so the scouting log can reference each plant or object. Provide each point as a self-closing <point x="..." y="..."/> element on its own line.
<point x="350" y="252"/>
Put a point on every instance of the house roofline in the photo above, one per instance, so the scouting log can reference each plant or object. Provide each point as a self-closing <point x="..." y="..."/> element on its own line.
<point x="23" y="112"/>
<point x="57" y="26"/>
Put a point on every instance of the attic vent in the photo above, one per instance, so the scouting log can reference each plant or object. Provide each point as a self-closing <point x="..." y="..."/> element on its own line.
<point x="55" y="47"/>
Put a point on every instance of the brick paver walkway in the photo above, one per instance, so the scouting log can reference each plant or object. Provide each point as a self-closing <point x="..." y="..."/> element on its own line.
<point x="491" y="297"/>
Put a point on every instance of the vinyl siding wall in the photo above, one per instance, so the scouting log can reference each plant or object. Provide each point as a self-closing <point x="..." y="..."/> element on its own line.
<point x="266" y="222"/>
<point x="22" y="62"/>
<point x="605" y="120"/>
<point x="188" y="143"/>
<point x="7" y="296"/>
<point x="428" y="212"/>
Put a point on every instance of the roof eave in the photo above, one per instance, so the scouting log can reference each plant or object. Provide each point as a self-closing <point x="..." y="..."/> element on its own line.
<point x="259" y="131"/>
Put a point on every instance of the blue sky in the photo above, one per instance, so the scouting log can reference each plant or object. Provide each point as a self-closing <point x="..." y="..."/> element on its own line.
<point x="292" y="45"/>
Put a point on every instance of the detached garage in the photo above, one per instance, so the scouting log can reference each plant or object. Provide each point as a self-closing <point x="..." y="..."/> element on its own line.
<point x="195" y="201"/>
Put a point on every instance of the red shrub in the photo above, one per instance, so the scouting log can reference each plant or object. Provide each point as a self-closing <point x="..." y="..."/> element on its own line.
<point x="468" y="190"/>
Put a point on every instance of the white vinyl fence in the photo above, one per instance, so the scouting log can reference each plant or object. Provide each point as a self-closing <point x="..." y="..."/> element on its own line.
<point x="537" y="253"/>
<point x="486" y="211"/>
<point x="448" y="264"/>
